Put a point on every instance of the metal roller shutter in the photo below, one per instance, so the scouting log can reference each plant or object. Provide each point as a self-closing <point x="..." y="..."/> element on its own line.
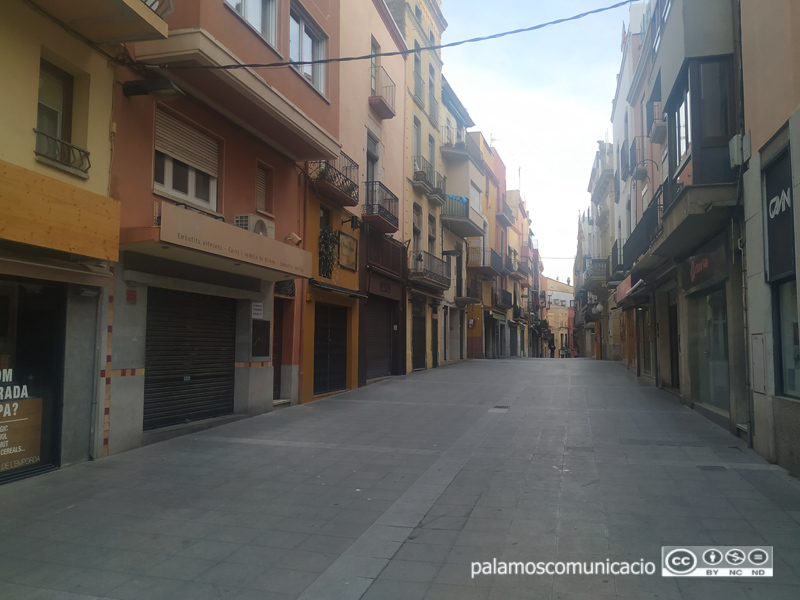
<point x="330" y="349"/>
<point x="379" y="337"/>
<point x="189" y="357"/>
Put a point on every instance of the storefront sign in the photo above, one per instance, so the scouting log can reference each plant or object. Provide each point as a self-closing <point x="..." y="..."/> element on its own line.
<point x="257" y="310"/>
<point x="20" y="425"/>
<point x="705" y="268"/>
<point x="622" y="290"/>
<point x="348" y="251"/>
<point x="780" y="218"/>
<point x="384" y="287"/>
<point x="199" y="232"/>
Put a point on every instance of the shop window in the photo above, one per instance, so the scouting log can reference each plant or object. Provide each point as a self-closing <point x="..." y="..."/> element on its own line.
<point x="261" y="14"/>
<point x="789" y="336"/>
<point x="186" y="163"/>
<point x="306" y="43"/>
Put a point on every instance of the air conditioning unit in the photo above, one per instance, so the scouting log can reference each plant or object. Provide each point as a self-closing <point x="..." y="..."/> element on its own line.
<point x="255" y="224"/>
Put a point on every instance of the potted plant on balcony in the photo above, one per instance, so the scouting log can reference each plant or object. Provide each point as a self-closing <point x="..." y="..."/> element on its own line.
<point x="328" y="240"/>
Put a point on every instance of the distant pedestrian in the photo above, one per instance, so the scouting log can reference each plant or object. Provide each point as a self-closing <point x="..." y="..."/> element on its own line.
<point x="552" y="350"/>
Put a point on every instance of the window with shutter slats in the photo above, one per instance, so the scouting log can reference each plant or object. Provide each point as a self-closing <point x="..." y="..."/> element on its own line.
<point x="264" y="190"/>
<point x="186" y="144"/>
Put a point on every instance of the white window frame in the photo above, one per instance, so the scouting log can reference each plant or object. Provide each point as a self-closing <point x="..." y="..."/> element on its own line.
<point x="166" y="188"/>
<point x="261" y="15"/>
<point x="313" y="74"/>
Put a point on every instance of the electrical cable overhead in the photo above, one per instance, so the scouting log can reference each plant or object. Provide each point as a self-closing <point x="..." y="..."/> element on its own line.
<point x="396" y="53"/>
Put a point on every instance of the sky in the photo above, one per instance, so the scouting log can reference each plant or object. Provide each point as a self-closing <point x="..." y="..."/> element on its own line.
<point x="543" y="98"/>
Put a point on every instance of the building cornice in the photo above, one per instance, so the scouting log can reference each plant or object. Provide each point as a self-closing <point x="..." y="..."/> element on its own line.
<point x="391" y="25"/>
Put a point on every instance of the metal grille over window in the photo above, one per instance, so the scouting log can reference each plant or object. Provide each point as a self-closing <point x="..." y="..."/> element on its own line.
<point x="186" y="144"/>
<point x="285" y="288"/>
<point x="264" y="190"/>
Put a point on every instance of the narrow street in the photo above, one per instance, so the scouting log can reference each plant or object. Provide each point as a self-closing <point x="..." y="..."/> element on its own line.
<point x="394" y="490"/>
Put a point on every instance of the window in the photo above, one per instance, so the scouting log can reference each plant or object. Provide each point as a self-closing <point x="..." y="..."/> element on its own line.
<point x="372" y="158"/>
<point x="54" y="111"/>
<point x="261" y="14"/>
<point x="418" y="13"/>
<point x="683" y="126"/>
<point x="431" y="234"/>
<point x="324" y="218"/>
<point x="432" y="152"/>
<point x="714" y="109"/>
<point x="306" y="43"/>
<point x="373" y="70"/>
<point x="417" y="137"/>
<point x="264" y="190"/>
<point x="186" y="162"/>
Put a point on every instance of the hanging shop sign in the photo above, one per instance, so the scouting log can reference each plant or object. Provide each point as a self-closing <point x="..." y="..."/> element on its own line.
<point x="348" y="251"/>
<point x="779" y="214"/>
<point x="20" y="425"/>
<point x="622" y="290"/>
<point x="706" y="268"/>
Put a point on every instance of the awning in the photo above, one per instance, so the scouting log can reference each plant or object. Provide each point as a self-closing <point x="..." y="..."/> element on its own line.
<point x="328" y="287"/>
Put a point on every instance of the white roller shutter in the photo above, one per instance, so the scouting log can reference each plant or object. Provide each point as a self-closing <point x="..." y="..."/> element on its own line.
<point x="178" y="140"/>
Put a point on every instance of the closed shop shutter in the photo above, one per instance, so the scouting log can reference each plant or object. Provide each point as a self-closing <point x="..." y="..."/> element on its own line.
<point x="418" y="343"/>
<point x="330" y="348"/>
<point x="379" y="337"/>
<point x="189" y="357"/>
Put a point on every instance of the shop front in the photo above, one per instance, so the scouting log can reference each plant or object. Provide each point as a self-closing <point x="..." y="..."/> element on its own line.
<point x="192" y="329"/>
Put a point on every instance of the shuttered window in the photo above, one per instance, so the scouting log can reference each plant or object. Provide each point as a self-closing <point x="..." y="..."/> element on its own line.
<point x="186" y="162"/>
<point x="264" y="190"/>
<point x="176" y="139"/>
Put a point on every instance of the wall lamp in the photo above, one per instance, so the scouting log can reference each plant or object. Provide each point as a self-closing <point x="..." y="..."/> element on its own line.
<point x="162" y="88"/>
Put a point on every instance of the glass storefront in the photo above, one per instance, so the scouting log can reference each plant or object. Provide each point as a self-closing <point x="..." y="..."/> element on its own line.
<point x="789" y="339"/>
<point x="709" y="349"/>
<point x="31" y="354"/>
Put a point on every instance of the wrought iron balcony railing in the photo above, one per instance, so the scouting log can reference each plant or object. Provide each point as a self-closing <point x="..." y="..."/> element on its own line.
<point x="63" y="153"/>
<point x="162" y="8"/>
<point x="385" y="253"/>
<point x="505" y="215"/>
<point x="419" y="89"/>
<point x="380" y="201"/>
<point x="427" y="268"/>
<point x="433" y="109"/>
<point x="383" y="92"/>
<point x="504" y="299"/>
<point x="337" y="178"/>
<point x="423" y="172"/>
<point x="485" y="258"/>
<point x="508" y="263"/>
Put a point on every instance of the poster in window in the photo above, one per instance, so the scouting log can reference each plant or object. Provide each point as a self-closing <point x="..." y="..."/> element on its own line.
<point x="348" y="251"/>
<point x="779" y="215"/>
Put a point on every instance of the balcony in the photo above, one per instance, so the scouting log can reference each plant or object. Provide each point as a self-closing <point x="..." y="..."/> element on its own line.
<point x="111" y="21"/>
<point x="602" y="172"/>
<point x="638" y="164"/>
<point x="617" y="268"/>
<point x="419" y="90"/>
<point x="380" y="208"/>
<point x="438" y="195"/>
<point x="595" y="275"/>
<point x="61" y="154"/>
<point x="457" y="146"/>
<point x="484" y="262"/>
<point x="336" y="179"/>
<point x="658" y="125"/>
<point x="424" y="178"/>
<point x="382" y="95"/>
<point x="385" y="254"/>
<point x="643" y="234"/>
<point x="508" y="265"/>
<point x="428" y="270"/>
<point x="433" y="109"/>
<point x="473" y="294"/>
<point x="504" y="300"/>
<point x="505" y="215"/>
<point x="697" y="212"/>
<point x="460" y="218"/>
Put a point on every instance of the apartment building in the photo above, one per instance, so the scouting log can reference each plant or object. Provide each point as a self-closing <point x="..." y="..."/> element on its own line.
<point x="770" y="168"/>
<point x="210" y="167"/>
